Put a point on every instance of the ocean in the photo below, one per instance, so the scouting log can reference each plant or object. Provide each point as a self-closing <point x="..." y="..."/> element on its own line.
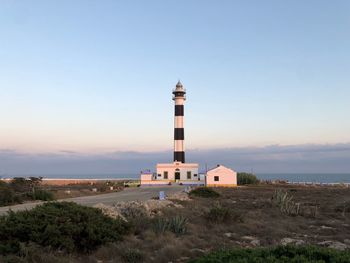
<point x="307" y="177"/>
<point x="291" y="177"/>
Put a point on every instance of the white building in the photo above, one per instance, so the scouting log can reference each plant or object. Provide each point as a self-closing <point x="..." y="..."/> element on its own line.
<point x="221" y="176"/>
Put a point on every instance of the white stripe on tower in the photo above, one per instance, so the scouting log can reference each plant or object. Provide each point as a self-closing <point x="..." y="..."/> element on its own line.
<point x="179" y="131"/>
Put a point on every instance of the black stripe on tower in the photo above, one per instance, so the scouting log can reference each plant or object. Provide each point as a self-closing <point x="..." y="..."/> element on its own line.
<point x="179" y="93"/>
<point x="179" y="110"/>
<point x="179" y="134"/>
<point x="179" y="157"/>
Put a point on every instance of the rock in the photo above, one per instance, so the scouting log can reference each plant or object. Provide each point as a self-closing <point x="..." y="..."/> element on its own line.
<point x="183" y="259"/>
<point x="291" y="241"/>
<point x="255" y="242"/>
<point x="248" y="238"/>
<point x="181" y="196"/>
<point x="347" y="241"/>
<point x="327" y="227"/>
<point x="109" y="211"/>
<point x="137" y="208"/>
<point x="153" y="206"/>
<point x="228" y="235"/>
<point x="334" y="244"/>
<point x="198" y="251"/>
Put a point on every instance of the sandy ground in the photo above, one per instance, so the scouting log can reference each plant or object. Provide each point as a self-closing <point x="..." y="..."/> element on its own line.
<point x="128" y="194"/>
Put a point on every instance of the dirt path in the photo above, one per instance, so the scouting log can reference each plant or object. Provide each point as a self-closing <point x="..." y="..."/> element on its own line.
<point x="129" y="194"/>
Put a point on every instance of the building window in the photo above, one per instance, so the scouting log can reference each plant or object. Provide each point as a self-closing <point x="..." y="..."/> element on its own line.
<point x="189" y="175"/>
<point x="216" y="178"/>
<point x="195" y="175"/>
<point x="165" y="174"/>
<point x="159" y="175"/>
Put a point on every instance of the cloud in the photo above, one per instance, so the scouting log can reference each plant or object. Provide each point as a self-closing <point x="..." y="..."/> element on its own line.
<point x="309" y="158"/>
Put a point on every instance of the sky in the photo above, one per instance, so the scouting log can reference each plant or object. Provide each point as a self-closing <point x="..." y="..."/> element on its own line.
<point x="94" y="79"/>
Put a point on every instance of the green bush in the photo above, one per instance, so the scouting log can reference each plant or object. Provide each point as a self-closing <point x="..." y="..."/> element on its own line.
<point x="285" y="254"/>
<point x="204" y="192"/>
<point x="61" y="225"/>
<point x="42" y="195"/>
<point x="21" y="189"/>
<point x="246" y="178"/>
<point x="218" y="214"/>
<point x="286" y="203"/>
<point x="132" y="256"/>
<point x="7" y="195"/>
<point x="177" y="225"/>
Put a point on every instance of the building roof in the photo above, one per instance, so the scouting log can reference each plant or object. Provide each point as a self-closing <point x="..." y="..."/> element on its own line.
<point x="220" y="166"/>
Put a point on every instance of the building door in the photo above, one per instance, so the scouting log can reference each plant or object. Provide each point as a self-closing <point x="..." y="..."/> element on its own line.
<point x="177" y="176"/>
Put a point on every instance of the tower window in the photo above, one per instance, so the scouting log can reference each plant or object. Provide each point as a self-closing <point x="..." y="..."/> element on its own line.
<point x="165" y="174"/>
<point x="189" y="175"/>
<point x="216" y="178"/>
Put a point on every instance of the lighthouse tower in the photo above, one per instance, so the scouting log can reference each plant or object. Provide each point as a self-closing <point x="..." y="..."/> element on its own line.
<point x="178" y="171"/>
<point x="179" y="132"/>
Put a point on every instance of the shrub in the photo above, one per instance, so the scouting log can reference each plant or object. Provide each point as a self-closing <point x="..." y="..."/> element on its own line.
<point x="61" y="225"/>
<point x="136" y="215"/>
<point x="132" y="256"/>
<point x="20" y="189"/>
<point x="160" y="225"/>
<point x="177" y="225"/>
<point x="246" y="178"/>
<point x="285" y="202"/>
<point x="42" y="195"/>
<point x="7" y="195"/>
<point x="285" y="254"/>
<point x="204" y="192"/>
<point x="218" y="214"/>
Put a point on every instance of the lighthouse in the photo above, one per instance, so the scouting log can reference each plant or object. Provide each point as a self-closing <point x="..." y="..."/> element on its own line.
<point x="179" y="132"/>
<point x="178" y="171"/>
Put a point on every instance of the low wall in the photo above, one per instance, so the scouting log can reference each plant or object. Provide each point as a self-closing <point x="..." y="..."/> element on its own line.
<point x="221" y="185"/>
<point x="65" y="181"/>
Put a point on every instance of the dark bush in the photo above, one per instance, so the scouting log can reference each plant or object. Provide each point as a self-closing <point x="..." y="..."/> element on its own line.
<point x="204" y="192"/>
<point x="218" y="214"/>
<point x="285" y="254"/>
<point x="7" y="195"/>
<point x="20" y="189"/>
<point x="177" y="225"/>
<point x="132" y="256"/>
<point x="246" y="178"/>
<point x="61" y="225"/>
<point x="42" y="195"/>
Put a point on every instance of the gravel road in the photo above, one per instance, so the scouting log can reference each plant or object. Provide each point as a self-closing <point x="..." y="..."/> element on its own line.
<point x="128" y="194"/>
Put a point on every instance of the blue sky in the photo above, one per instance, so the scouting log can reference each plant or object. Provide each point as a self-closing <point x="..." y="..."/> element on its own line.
<point x="96" y="76"/>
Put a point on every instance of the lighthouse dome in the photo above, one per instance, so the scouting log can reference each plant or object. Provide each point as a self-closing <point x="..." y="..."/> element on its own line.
<point x="179" y="84"/>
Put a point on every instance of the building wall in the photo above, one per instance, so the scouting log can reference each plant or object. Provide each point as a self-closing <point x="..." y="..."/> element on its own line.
<point x="227" y="177"/>
<point x="183" y="168"/>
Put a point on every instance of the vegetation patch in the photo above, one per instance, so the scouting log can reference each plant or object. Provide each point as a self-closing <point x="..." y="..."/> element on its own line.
<point x="61" y="225"/>
<point x="23" y="189"/>
<point x="288" y="206"/>
<point x="218" y="214"/>
<point x="281" y="254"/>
<point x="246" y="178"/>
<point x="132" y="256"/>
<point x="177" y="225"/>
<point x="205" y="192"/>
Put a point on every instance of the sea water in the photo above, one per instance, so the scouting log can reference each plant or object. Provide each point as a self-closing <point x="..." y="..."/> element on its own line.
<point x="307" y="177"/>
<point x="291" y="177"/>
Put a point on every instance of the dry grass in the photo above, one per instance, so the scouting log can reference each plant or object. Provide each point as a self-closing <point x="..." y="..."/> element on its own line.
<point x="253" y="215"/>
